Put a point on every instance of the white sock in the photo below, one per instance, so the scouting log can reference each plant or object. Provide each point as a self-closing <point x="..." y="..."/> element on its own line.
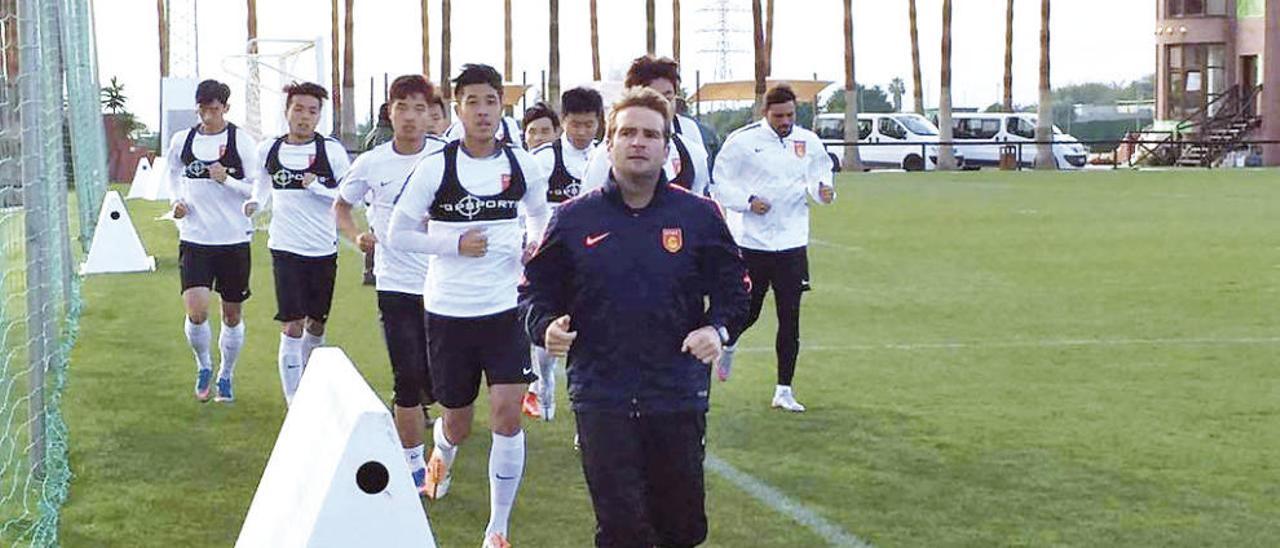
<point x="310" y="342"/>
<point x="413" y="457"/>
<point x="198" y="336"/>
<point x="506" y="467"/>
<point x="290" y="363"/>
<point x="780" y="390"/>
<point x="447" y="450"/>
<point x="230" y="340"/>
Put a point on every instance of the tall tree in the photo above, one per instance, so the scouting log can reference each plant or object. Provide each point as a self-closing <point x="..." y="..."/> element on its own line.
<point x="768" y="38"/>
<point x="651" y="35"/>
<point x="506" y="47"/>
<point x="446" y="41"/>
<point x="946" y="154"/>
<point x="426" y="41"/>
<point x="852" y="161"/>
<point x="163" y="17"/>
<point x="253" y="115"/>
<point x="349" y="77"/>
<point x="335" y="64"/>
<point x="756" y="17"/>
<point x="1008" y="58"/>
<point x="918" y="80"/>
<point x="595" y="43"/>
<point x="553" y="64"/>
<point x="675" y="29"/>
<point x="1044" y="114"/>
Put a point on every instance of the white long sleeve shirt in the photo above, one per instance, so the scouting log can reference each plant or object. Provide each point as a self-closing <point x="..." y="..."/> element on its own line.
<point x="302" y="220"/>
<point x="214" y="215"/>
<point x="460" y="286"/>
<point x="380" y="175"/>
<point x="599" y="165"/>
<point x="757" y="162"/>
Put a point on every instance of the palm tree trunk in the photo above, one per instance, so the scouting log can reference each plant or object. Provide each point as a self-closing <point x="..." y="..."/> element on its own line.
<point x="1271" y="85"/>
<point x="650" y="36"/>
<point x="553" y="64"/>
<point x="918" y="94"/>
<point x="163" y="17"/>
<point x="768" y="38"/>
<point x="1008" y="58"/>
<point x="1044" y="114"/>
<point x="675" y="29"/>
<point x="946" y="155"/>
<point x="595" y="43"/>
<point x="335" y="64"/>
<point x="506" y="43"/>
<point x="253" y="98"/>
<point x="757" y="17"/>
<point x="446" y="40"/>
<point x="349" y="77"/>
<point x="852" y="161"/>
<point x="426" y="41"/>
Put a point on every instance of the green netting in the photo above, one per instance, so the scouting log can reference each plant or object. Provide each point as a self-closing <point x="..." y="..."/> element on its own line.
<point x="51" y="146"/>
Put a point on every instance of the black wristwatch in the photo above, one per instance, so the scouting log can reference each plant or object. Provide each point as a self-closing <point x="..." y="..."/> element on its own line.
<point x="723" y="333"/>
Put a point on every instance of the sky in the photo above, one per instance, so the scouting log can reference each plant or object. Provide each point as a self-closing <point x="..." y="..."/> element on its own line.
<point x="1092" y="41"/>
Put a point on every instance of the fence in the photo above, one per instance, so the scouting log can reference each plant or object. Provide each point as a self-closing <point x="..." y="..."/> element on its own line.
<point x="52" y="177"/>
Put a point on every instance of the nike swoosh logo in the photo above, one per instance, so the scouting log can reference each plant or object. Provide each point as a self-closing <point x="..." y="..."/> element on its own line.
<point x="292" y="366"/>
<point x="526" y="370"/>
<point x="593" y="240"/>
<point x="502" y="477"/>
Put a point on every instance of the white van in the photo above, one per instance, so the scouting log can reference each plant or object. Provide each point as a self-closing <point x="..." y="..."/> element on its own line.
<point x="898" y="140"/>
<point x="996" y="129"/>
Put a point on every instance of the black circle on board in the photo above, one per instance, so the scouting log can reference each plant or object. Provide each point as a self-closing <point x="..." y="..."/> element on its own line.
<point x="115" y="215"/>
<point x="372" y="477"/>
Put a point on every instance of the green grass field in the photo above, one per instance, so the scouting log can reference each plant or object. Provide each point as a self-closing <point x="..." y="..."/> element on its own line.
<point x="989" y="359"/>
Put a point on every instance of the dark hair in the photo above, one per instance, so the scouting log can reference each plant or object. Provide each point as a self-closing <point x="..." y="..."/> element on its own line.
<point x="581" y="100"/>
<point x="209" y="91"/>
<point x="476" y="73"/>
<point x="438" y="100"/>
<point x="304" y="88"/>
<point x="641" y="97"/>
<point x="649" y="68"/>
<point x="384" y="114"/>
<point x="410" y="84"/>
<point x="780" y="93"/>
<point x="539" y="111"/>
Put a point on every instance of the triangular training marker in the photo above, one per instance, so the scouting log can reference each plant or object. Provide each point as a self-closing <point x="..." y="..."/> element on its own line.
<point x="140" y="173"/>
<point x="116" y="247"/>
<point x="152" y="186"/>
<point x="142" y="178"/>
<point x="337" y="475"/>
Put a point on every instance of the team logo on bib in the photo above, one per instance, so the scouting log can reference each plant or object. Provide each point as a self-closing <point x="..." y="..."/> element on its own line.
<point x="672" y="239"/>
<point x="196" y="169"/>
<point x="468" y="207"/>
<point x="571" y="190"/>
<point x="281" y="178"/>
<point x="799" y="146"/>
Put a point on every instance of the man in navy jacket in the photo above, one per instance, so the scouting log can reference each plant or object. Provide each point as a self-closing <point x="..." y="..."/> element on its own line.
<point x="640" y="284"/>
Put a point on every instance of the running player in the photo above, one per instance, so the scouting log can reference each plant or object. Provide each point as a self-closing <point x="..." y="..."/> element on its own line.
<point x="541" y="125"/>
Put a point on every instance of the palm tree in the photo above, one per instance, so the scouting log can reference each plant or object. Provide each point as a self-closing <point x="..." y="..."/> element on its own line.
<point x="897" y="88"/>
<point x="1008" y="58"/>
<point x="349" y="77"/>
<point x="506" y="26"/>
<point x="651" y="36"/>
<point x="335" y="83"/>
<point x="426" y="42"/>
<point x="595" y="43"/>
<point x="757" y="17"/>
<point x="553" y="64"/>
<point x="915" y="58"/>
<point x="768" y="38"/>
<point x="446" y="40"/>
<point x="1044" y="114"/>
<point x="253" y="116"/>
<point x="946" y="154"/>
<point x="163" y="17"/>
<point x="675" y="29"/>
<point x="851" y="160"/>
<point x="113" y="97"/>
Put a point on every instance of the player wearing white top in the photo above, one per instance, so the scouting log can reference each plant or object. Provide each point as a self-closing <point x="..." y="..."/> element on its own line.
<point x="508" y="131"/>
<point x="765" y="170"/>
<point x="437" y="116"/>
<point x="565" y="162"/>
<point x="211" y="169"/>
<point x="541" y="125"/>
<point x="302" y="170"/>
<point x="379" y="176"/>
<point x="463" y="205"/>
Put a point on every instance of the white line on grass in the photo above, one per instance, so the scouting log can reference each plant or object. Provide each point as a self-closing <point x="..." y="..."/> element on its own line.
<point x="1051" y="343"/>
<point x="783" y="504"/>
<point x="842" y="247"/>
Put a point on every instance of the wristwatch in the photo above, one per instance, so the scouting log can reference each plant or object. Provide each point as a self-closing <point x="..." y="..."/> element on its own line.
<point x="723" y="333"/>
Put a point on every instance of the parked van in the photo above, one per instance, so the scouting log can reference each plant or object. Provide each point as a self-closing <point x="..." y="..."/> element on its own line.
<point x="995" y="129"/>
<point x="898" y="140"/>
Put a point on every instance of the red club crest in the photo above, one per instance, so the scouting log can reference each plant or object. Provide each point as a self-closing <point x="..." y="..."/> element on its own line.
<point x="672" y="239"/>
<point x="506" y="181"/>
<point x="799" y="146"/>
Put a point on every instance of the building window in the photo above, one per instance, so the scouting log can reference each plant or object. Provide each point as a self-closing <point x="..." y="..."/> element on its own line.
<point x="1195" y="8"/>
<point x="1197" y="78"/>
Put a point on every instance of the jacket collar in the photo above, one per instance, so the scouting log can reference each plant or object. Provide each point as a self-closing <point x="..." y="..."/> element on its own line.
<point x="614" y="194"/>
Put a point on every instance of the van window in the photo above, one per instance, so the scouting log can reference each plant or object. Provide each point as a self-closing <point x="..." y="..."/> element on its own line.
<point x="1021" y="127"/>
<point x="977" y="128"/>
<point x="830" y="128"/>
<point x="917" y="125"/>
<point x="892" y="129"/>
<point x="864" y="129"/>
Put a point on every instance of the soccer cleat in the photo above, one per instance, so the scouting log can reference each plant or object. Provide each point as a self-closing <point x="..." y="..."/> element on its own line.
<point x="495" y="540"/>
<point x="530" y="406"/>
<point x="203" y="378"/>
<point x="725" y="366"/>
<point x="224" y="391"/>
<point x="787" y="401"/>
<point x="436" y="484"/>
<point x="420" y="481"/>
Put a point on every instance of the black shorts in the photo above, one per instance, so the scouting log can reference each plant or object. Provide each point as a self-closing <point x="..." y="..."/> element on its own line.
<point x="463" y="348"/>
<point x="645" y="477"/>
<point x="222" y="268"/>
<point x="786" y="271"/>
<point x="405" y="329"/>
<point x="304" y="285"/>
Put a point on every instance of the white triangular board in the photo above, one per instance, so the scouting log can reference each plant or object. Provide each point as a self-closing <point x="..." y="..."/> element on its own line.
<point x="337" y="475"/>
<point x="140" y="173"/>
<point x="152" y="186"/>
<point x="116" y="246"/>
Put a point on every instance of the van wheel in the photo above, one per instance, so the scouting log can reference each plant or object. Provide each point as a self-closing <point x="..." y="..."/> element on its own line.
<point x="913" y="163"/>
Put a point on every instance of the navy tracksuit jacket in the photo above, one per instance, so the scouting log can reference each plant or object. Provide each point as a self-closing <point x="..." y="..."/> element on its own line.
<point x="635" y="282"/>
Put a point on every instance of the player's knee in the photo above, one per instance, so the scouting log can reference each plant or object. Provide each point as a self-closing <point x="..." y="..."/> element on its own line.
<point x="315" y="327"/>
<point x="231" y="316"/>
<point x="198" y="316"/>
<point x="457" y="430"/>
<point x="292" y="329"/>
